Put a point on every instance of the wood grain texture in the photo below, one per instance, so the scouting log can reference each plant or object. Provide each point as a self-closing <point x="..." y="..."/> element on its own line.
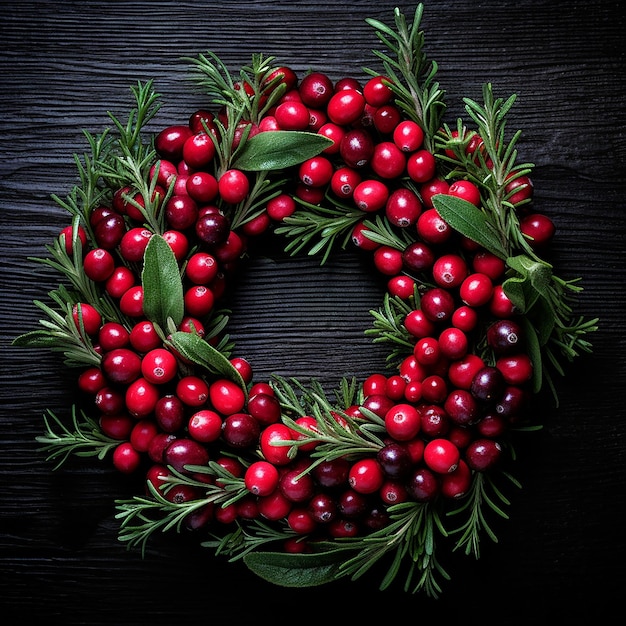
<point x="63" y="65"/>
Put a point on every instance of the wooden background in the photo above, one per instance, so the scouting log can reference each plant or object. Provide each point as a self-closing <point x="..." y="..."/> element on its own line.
<point x="65" y="64"/>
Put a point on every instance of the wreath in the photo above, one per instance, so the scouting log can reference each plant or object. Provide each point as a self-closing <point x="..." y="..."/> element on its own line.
<point x="303" y="486"/>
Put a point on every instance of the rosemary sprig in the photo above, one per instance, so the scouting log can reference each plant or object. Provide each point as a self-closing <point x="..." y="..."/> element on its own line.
<point x="83" y="439"/>
<point x="483" y="492"/>
<point x="411" y="75"/>
<point x="388" y="327"/>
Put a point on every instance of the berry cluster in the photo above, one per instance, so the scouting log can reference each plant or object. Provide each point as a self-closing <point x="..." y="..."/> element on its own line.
<point x="445" y="412"/>
<point x="470" y="311"/>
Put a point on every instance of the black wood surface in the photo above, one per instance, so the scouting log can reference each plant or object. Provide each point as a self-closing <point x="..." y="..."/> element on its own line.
<point x="65" y="64"/>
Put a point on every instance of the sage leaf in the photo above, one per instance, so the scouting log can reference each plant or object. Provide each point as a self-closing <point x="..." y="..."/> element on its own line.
<point x="295" y="570"/>
<point x="534" y="352"/>
<point x="530" y="284"/>
<point x="162" y="284"/>
<point x="470" y="221"/>
<point x="278" y="149"/>
<point x="194" y="348"/>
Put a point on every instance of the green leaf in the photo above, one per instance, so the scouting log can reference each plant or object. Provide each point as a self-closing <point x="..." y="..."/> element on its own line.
<point x="295" y="570"/>
<point x="279" y="149"/>
<point x="534" y="352"/>
<point x="530" y="284"/>
<point x="162" y="284"/>
<point x="470" y="221"/>
<point x="196" y="349"/>
<point x="35" y="339"/>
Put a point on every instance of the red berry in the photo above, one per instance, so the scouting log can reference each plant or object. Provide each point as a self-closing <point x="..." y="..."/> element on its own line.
<point x="366" y="476"/>
<point x="261" y="478"/>
<point x="402" y="422"/>
<point x="226" y="396"/>
<point x="441" y="456"/>
<point x="125" y="458"/>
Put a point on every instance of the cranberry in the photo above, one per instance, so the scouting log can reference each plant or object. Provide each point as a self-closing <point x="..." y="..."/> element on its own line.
<point x="271" y="443"/>
<point x="432" y="228"/>
<point x="87" y="317"/>
<point x="226" y="396"/>
<point x="241" y="430"/>
<point x="366" y="476"/>
<point x="488" y="384"/>
<point x="418" y="257"/>
<point x="316" y="89"/>
<point x="421" y="166"/>
<point x="516" y="368"/>
<point x="395" y="460"/>
<point x="121" y="365"/>
<point x="476" y="290"/>
<point x="504" y="337"/>
<point x="403" y="207"/>
<point x="449" y="270"/>
<point x="116" y="426"/>
<point x="141" y="398"/>
<point x="301" y="521"/>
<point x="296" y="486"/>
<point x="457" y="483"/>
<point x="159" y="366"/>
<point x="441" y="456"/>
<point x="125" y="458"/>
<point x="332" y="473"/>
<point x="538" y="229"/>
<point x="233" y="186"/>
<point x="184" y="451"/>
<point x="465" y="190"/>
<point x="169" y="142"/>
<point x="108" y="232"/>
<point x="265" y="408"/>
<point x="192" y="390"/>
<point x="437" y="304"/>
<point x="423" y="485"/>
<point x="120" y="281"/>
<point x="386" y="118"/>
<point x="181" y="212"/>
<point x="113" y="335"/>
<point x="388" y="161"/>
<point x="261" y="478"/>
<point x="356" y="148"/>
<point x="212" y="228"/>
<point x="292" y="116"/>
<point x="322" y="508"/>
<point x="98" y="264"/>
<point x="377" y="91"/>
<point x="461" y="407"/>
<point x="483" y="454"/>
<point x="169" y="413"/>
<point x="388" y="260"/>
<point x="316" y="171"/>
<point x="345" y="107"/>
<point x="274" y="506"/>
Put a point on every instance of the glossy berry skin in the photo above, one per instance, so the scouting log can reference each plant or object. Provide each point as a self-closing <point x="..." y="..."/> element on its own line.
<point x="370" y="195"/>
<point x="421" y="166"/>
<point x="226" y="396"/>
<point x="159" y="366"/>
<point x="423" y="485"/>
<point x="408" y="136"/>
<point x="366" y="476"/>
<point x="388" y="161"/>
<point x="315" y="90"/>
<point x="98" y="264"/>
<point x="121" y="365"/>
<point x="356" y="148"/>
<point x="504" y="337"/>
<point x="141" y="397"/>
<point x="184" y="451"/>
<point x="402" y="422"/>
<point x="345" y="107"/>
<point x="261" y="478"/>
<point x="539" y="229"/>
<point x="403" y="207"/>
<point x="125" y="458"/>
<point x="441" y="456"/>
<point x="270" y="443"/>
<point x="241" y="430"/>
<point x="87" y="316"/>
<point x="316" y="171"/>
<point x="465" y="190"/>
<point x="234" y="186"/>
<point x="395" y="460"/>
<point x="483" y="454"/>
